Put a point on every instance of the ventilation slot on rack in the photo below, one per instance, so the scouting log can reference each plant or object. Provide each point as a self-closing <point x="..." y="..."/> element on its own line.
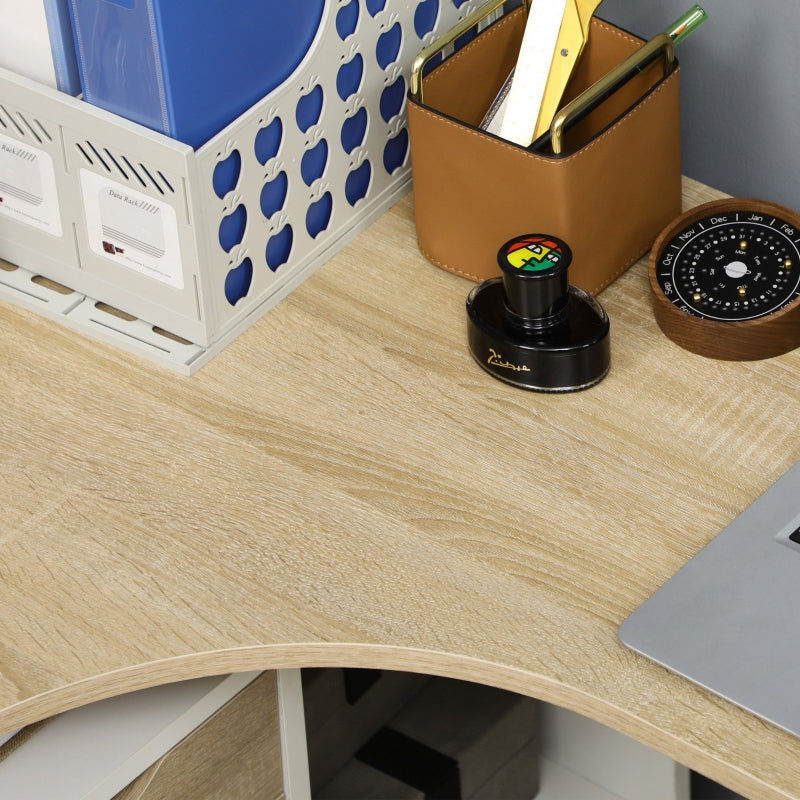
<point x="38" y="131"/>
<point x="24" y="125"/>
<point x="120" y="166"/>
<point x="9" y="122"/>
<point x="52" y="285"/>
<point x="151" y="336"/>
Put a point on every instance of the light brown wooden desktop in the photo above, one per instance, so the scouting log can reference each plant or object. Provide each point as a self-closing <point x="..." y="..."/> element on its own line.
<point x="344" y="486"/>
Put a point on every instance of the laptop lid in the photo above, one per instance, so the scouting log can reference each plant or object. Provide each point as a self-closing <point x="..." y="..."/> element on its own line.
<point x="729" y="620"/>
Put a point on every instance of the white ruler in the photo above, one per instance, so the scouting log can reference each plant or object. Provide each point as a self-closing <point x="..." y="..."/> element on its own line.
<point x="524" y="100"/>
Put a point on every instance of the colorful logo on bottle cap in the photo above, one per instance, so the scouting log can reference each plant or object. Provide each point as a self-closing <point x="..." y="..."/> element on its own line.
<point x="534" y="254"/>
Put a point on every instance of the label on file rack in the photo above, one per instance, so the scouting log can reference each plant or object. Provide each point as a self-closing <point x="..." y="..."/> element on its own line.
<point x="132" y="229"/>
<point x="28" y="191"/>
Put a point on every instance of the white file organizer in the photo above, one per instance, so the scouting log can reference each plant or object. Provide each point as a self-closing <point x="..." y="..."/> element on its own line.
<point x="170" y="252"/>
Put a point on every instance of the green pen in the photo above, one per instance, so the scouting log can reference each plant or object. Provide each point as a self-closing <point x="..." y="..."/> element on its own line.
<point x="602" y="89"/>
<point x="684" y="25"/>
<point x="681" y="28"/>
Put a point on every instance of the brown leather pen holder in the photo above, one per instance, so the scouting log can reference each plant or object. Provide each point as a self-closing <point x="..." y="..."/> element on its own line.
<point x="614" y="186"/>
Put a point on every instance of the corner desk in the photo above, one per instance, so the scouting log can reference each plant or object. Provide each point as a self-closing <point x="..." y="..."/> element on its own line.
<point x="343" y="486"/>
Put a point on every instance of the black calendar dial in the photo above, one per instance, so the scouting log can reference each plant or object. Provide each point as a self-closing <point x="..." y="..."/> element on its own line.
<point x="725" y="275"/>
<point x="732" y="269"/>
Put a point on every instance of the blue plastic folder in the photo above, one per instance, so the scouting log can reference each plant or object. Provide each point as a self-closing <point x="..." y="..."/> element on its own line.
<point x="62" y="47"/>
<point x="188" y="69"/>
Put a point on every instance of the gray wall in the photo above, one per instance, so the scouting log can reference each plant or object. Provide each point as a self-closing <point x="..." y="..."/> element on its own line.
<point x="740" y="84"/>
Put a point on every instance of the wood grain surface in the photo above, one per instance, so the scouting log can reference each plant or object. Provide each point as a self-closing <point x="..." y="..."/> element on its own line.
<point x="344" y="486"/>
<point x="234" y="755"/>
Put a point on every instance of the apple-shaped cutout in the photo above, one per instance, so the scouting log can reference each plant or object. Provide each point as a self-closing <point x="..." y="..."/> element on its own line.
<point x="226" y="174"/>
<point x="357" y="183"/>
<point x="309" y="108"/>
<point x="388" y="47"/>
<point x="394" y="153"/>
<point x="279" y="247"/>
<point x="347" y="19"/>
<point x="425" y="17"/>
<point x="238" y="281"/>
<point x="348" y="78"/>
<point x="312" y="165"/>
<point x="232" y="227"/>
<point x="268" y="141"/>
<point x="273" y="194"/>
<point x="354" y="130"/>
<point x="392" y="99"/>
<point x="318" y="215"/>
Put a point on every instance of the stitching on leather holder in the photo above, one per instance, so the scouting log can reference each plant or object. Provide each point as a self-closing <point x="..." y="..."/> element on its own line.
<point x="640" y="107"/>
<point x="636" y="110"/>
